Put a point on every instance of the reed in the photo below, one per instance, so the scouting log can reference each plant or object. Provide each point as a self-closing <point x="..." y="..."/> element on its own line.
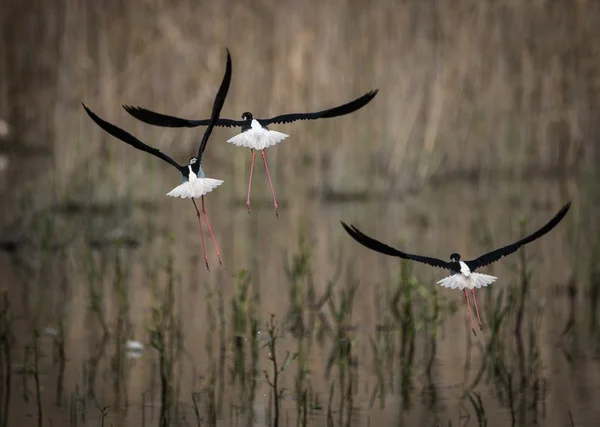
<point x="165" y="337"/>
<point x="278" y="366"/>
<point x="7" y="340"/>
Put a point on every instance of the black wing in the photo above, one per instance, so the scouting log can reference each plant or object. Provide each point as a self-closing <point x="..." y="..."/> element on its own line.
<point x="217" y="106"/>
<point x="387" y="250"/>
<point x="158" y="119"/>
<point x="340" y="110"/>
<point x="494" y="256"/>
<point x="128" y="138"/>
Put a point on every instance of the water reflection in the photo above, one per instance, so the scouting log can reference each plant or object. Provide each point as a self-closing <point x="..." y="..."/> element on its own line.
<point x="359" y="339"/>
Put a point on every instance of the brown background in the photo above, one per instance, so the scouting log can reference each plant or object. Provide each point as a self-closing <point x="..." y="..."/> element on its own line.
<point x="487" y="114"/>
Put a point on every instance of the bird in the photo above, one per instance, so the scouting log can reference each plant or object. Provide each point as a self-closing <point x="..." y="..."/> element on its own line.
<point x="194" y="182"/>
<point x="463" y="275"/>
<point x="255" y="133"/>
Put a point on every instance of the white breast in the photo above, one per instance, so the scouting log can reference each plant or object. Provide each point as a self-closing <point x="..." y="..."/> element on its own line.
<point x="255" y="125"/>
<point x="191" y="176"/>
<point x="464" y="269"/>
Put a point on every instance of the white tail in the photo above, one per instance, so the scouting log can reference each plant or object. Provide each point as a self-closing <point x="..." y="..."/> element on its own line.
<point x="258" y="139"/>
<point x="474" y="280"/>
<point x="196" y="188"/>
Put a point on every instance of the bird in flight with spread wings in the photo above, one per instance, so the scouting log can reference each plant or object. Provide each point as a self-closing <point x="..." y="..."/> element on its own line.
<point x="463" y="275"/>
<point x="194" y="183"/>
<point x="255" y="133"/>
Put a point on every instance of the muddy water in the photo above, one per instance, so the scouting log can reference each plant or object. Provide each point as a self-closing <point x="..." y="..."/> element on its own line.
<point x="544" y="371"/>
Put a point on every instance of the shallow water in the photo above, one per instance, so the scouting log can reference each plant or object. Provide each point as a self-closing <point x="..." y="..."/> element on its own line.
<point x="400" y="368"/>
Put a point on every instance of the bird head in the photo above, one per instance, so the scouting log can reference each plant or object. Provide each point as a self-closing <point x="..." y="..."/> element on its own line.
<point x="455" y="257"/>
<point x="247" y="116"/>
<point x="193" y="160"/>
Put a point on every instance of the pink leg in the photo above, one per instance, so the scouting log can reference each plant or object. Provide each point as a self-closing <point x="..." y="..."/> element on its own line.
<point x="210" y="231"/>
<point x="250" y="181"/>
<point x="201" y="235"/>
<point x="469" y="308"/>
<point x="477" y="310"/>
<point x="270" y="185"/>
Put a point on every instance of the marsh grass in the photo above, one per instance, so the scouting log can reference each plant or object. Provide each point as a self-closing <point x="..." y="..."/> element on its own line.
<point x="31" y="367"/>
<point x="403" y="343"/>
<point x="245" y="310"/>
<point x="404" y="315"/>
<point x="512" y="360"/>
<point x="475" y="400"/>
<point x="103" y="414"/>
<point x="594" y="294"/>
<point x="305" y="318"/>
<point x="278" y="366"/>
<point x="6" y="350"/>
<point x="95" y="267"/>
<point x="341" y="355"/>
<point x="122" y="328"/>
<point x="59" y="342"/>
<point x="210" y="394"/>
<point x="166" y="337"/>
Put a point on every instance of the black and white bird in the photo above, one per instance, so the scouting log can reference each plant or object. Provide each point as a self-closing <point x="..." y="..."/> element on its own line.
<point x="195" y="184"/>
<point x="463" y="272"/>
<point x="255" y="133"/>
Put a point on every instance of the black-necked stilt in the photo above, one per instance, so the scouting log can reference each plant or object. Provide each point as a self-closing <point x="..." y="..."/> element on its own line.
<point x="463" y="272"/>
<point x="255" y="133"/>
<point x="195" y="184"/>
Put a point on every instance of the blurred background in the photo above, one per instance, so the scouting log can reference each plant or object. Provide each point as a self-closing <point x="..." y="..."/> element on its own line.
<point x="486" y="123"/>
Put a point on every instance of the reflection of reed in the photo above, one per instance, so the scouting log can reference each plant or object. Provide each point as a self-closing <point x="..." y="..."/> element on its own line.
<point x="341" y="355"/>
<point x="165" y="338"/>
<point x="274" y="334"/>
<point x="245" y="305"/>
<point x="6" y="340"/>
<point x="305" y="318"/>
<point x="94" y="271"/>
<point x="60" y="338"/>
<point x="123" y="326"/>
<point x="515" y="373"/>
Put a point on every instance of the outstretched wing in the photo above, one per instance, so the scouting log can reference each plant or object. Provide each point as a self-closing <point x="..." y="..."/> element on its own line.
<point x="494" y="256"/>
<point x="128" y="138"/>
<point x="158" y="119"/>
<point x="217" y="105"/>
<point x="340" y="110"/>
<point x="377" y="246"/>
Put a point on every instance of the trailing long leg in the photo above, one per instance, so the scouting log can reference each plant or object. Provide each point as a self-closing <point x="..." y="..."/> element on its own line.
<point x="477" y="310"/>
<point x="469" y="308"/>
<point x="210" y="231"/>
<point x="270" y="185"/>
<point x="250" y="180"/>
<point x="201" y="234"/>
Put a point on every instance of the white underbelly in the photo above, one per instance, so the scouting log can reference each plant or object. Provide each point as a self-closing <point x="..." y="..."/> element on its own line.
<point x="470" y="281"/>
<point x="194" y="188"/>
<point x="258" y="139"/>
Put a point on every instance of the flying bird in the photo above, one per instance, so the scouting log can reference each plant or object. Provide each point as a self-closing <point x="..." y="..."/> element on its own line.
<point x="255" y="133"/>
<point x="463" y="272"/>
<point x="194" y="182"/>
